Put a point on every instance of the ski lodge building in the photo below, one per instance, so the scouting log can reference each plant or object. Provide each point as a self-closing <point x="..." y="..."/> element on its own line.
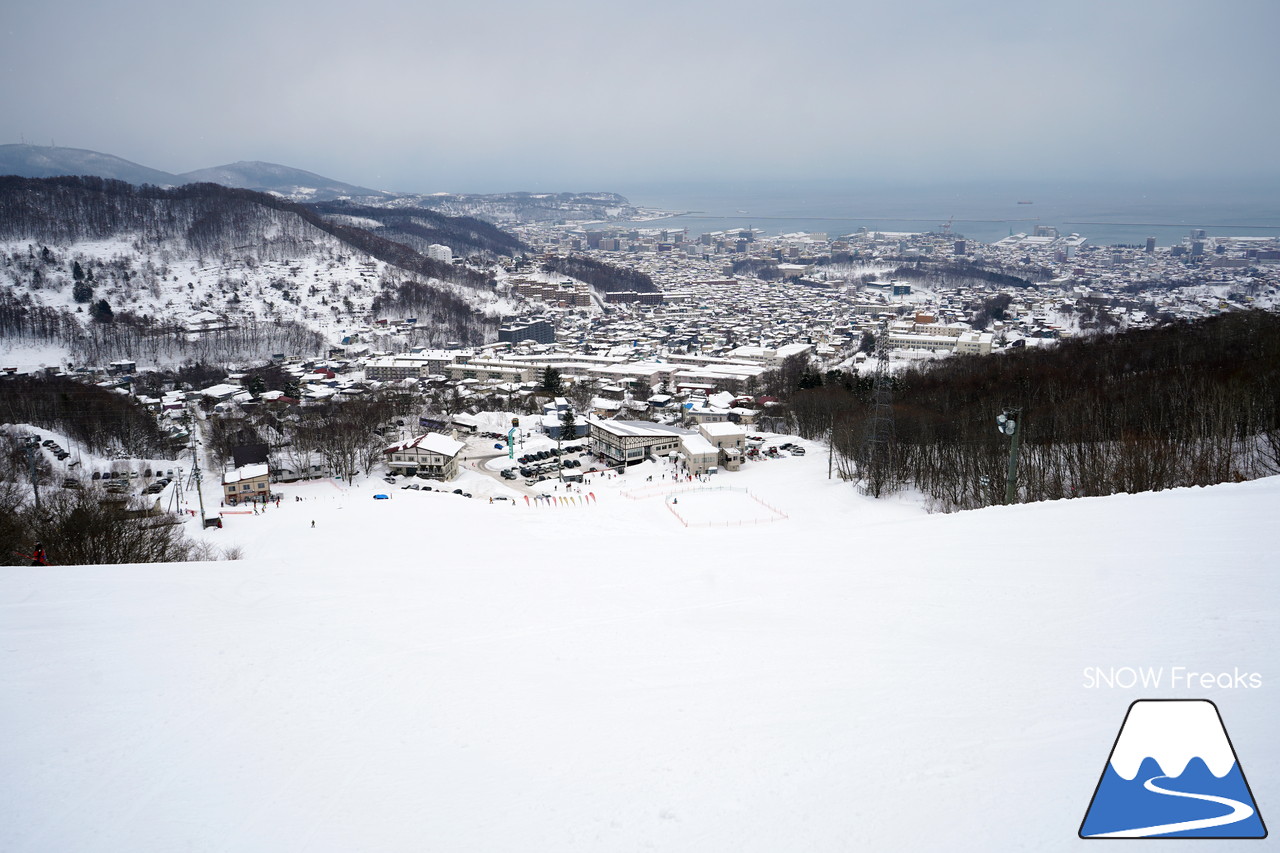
<point x="631" y="442"/>
<point x="430" y="453"/>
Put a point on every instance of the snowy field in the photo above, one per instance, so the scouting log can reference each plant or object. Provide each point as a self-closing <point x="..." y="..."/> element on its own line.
<point x="720" y="506"/>
<point x="437" y="673"/>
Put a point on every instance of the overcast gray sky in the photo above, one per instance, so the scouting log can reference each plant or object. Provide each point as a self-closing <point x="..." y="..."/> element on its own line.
<point x="572" y="95"/>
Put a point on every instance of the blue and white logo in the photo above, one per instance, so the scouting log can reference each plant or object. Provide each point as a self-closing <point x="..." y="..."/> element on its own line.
<point x="1173" y="773"/>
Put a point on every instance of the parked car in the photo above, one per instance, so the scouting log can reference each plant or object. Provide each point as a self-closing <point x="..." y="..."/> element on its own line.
<point x="797" y="451"/>
<point x="391" y="480"/>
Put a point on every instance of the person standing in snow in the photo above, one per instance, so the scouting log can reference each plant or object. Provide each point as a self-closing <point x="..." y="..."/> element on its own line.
<point x="38" y="556"/>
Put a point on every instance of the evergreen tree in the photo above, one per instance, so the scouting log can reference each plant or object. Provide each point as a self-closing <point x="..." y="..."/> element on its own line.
<point x="77" y="272"/>
<point x="101" y="311"/>
<point x="568" y="423"/>
<point x="82" y="291"/>
<point x="551" y="382"/>
<point x="568" y="429"/>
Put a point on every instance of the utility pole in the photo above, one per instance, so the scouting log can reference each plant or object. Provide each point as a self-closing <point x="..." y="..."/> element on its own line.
<point x="1008" y="423"/>
<point x="195" y="467"/>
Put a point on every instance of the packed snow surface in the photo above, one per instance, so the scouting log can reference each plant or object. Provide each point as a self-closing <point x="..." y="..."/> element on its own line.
<point x="433" y="672"/>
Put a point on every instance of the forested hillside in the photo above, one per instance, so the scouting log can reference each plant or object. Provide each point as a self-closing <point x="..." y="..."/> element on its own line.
<point x="206" y="272"/>
<point x="605" y="278"/>
<point x="1181" y="405"/>
<point x="419" y="228"/>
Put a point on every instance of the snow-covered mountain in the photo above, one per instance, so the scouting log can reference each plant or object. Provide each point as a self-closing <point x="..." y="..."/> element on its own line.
<point x="177" y="268"/>
<point x="286" y="181"/>
<point x="46" y="161"/>
<point x="35" y="161"/>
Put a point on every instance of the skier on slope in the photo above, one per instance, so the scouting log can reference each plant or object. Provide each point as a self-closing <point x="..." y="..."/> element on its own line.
<point x="38" y="556"/>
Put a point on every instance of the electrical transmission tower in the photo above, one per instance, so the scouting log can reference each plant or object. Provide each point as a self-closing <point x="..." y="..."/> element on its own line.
<point x="878" y="442"/>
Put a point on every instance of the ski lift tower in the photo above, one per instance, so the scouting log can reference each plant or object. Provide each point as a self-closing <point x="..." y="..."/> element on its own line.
<point x="880" y="433"/>
<point x="1008" y="423"/>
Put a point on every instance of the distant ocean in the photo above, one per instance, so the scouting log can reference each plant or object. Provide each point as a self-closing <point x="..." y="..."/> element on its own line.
<point x="1105" y="213"/>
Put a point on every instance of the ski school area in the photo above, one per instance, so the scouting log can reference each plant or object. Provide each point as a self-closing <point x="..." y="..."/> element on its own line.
<point x="746" y="497"/>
